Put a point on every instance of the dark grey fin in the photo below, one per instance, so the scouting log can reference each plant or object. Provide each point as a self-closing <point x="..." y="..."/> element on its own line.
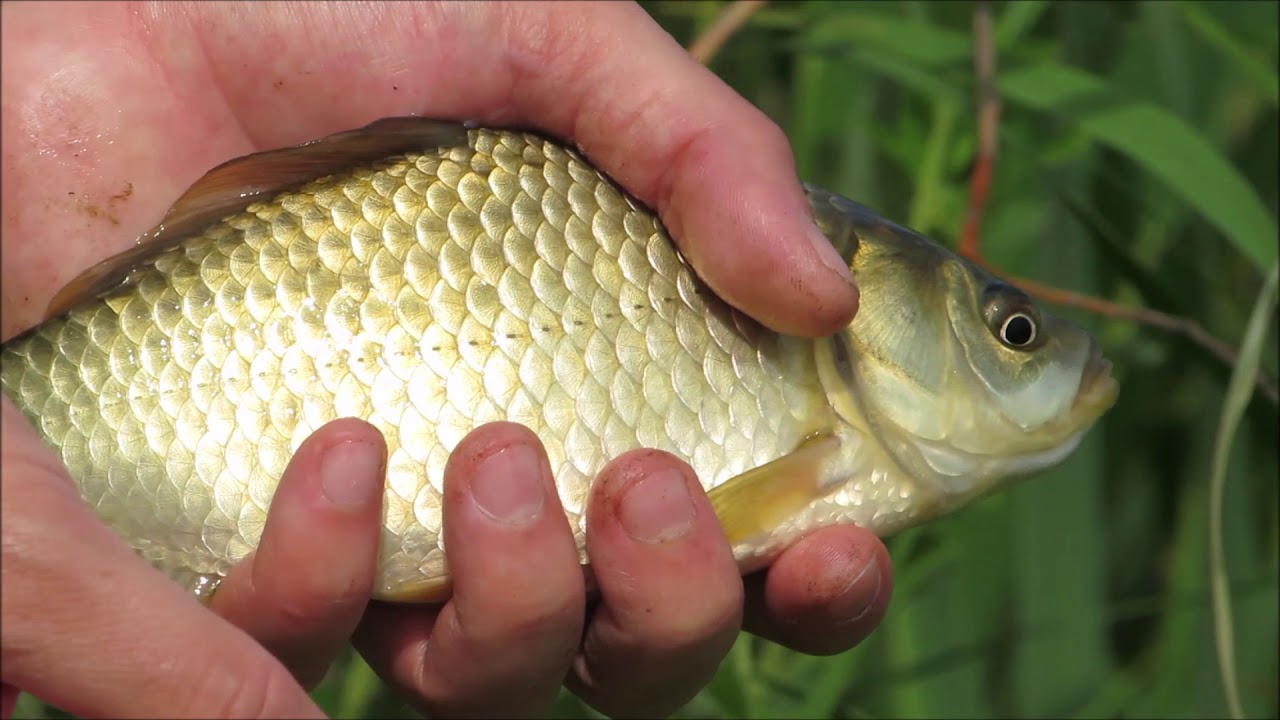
<point x="236" y="184"/>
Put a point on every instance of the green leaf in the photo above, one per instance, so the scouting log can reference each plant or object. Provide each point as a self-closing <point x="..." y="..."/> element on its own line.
<point x="1259" y="71"/>
<point x="1159" y="142"/>
<point x="917" y="42"/>
<point x="1016" y="19"/>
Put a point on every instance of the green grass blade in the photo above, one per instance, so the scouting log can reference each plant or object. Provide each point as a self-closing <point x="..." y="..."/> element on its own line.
<point x="925" y="214"/>
<point x="1239" y="392"/>
<point x="918" y="42"/>
<point x="29" y="708"/>
<point x="1160" y="143"/>
<point x="1014" y="20"/>
<point x="1260" y="71"/>
<point x="909" y="75"/>
<point x="359" y="686"/>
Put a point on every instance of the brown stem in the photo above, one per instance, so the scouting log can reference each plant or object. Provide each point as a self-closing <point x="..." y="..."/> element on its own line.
<point x="984" y="61"/>
<point x="1184" y="326"/>
<point x="705" y="46"/>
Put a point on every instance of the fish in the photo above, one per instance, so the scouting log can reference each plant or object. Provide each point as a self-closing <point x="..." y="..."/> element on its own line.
<point x="430" y="276"/>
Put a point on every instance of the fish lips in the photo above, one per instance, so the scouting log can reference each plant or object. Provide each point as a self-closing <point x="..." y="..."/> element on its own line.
<point x="1098" y="389"/>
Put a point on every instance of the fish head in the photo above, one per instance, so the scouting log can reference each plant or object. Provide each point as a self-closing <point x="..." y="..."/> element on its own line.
<point x="1034" y="381"/>
<point x="962" y="378"/>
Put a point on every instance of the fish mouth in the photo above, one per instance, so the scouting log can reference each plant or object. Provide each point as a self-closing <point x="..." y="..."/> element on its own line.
<point x="1098" y="389"/>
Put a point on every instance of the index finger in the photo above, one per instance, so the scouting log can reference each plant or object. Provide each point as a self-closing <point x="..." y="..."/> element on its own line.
<point x="604" y="75"/>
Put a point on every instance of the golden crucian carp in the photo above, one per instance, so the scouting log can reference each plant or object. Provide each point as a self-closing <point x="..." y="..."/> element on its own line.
<point x="430" y="277"/>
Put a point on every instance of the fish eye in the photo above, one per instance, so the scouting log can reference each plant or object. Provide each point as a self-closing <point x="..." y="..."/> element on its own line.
<point x="1018" y="330"/>
<point x="1011" y="316"/>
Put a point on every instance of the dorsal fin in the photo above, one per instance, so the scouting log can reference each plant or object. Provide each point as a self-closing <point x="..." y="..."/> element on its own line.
<point x="238" y="183"/>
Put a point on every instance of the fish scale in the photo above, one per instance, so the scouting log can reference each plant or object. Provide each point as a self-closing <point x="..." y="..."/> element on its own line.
<point x="437" y="292"/>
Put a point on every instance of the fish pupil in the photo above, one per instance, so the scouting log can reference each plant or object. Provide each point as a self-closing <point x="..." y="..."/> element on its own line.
<point x="1018" y="330"/>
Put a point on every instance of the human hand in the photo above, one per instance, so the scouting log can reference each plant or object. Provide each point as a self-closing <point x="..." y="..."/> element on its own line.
<point x="124" y="106"/>
<point x="670" y="601"/>
<point x="90" y="628"/>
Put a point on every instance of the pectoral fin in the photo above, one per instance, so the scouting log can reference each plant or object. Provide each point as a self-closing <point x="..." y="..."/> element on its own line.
<point x="759" y="500"/>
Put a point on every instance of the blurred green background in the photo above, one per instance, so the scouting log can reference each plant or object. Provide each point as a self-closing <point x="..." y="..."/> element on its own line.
<point x="1138" y="162"/>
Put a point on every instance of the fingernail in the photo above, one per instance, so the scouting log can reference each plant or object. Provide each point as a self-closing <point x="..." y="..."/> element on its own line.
<point x="859" y="595"/>
<point x="351" y="474"/>
<point x="507" y="485"/>
<point x="657" y="508"/>
<point x="828" y="255"/>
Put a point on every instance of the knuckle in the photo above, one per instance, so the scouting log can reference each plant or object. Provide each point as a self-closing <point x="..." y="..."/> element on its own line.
<point x="296" y="608"/>
<point x="312" y="593"/>
<point x="707" y="625"/>
<point x="678" y="625"/>
<point x="537" y="618"/>
<point x="535" y="46"/>
<point x="256" y="688"/>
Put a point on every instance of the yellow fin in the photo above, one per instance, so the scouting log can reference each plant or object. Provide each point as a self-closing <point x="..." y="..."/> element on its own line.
<point x="757" y="501"/>
<point x="430" y="590"/>
<point x="236" y="184"/>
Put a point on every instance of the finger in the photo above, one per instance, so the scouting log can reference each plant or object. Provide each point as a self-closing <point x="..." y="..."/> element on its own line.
<point x="823" y="595"/>
<point x="91" y="629"/>
<point x="671" y="595"/>
<point x="603" y="74"/>
<point x="502" y="645"/>
<point x="303" y="591"/>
